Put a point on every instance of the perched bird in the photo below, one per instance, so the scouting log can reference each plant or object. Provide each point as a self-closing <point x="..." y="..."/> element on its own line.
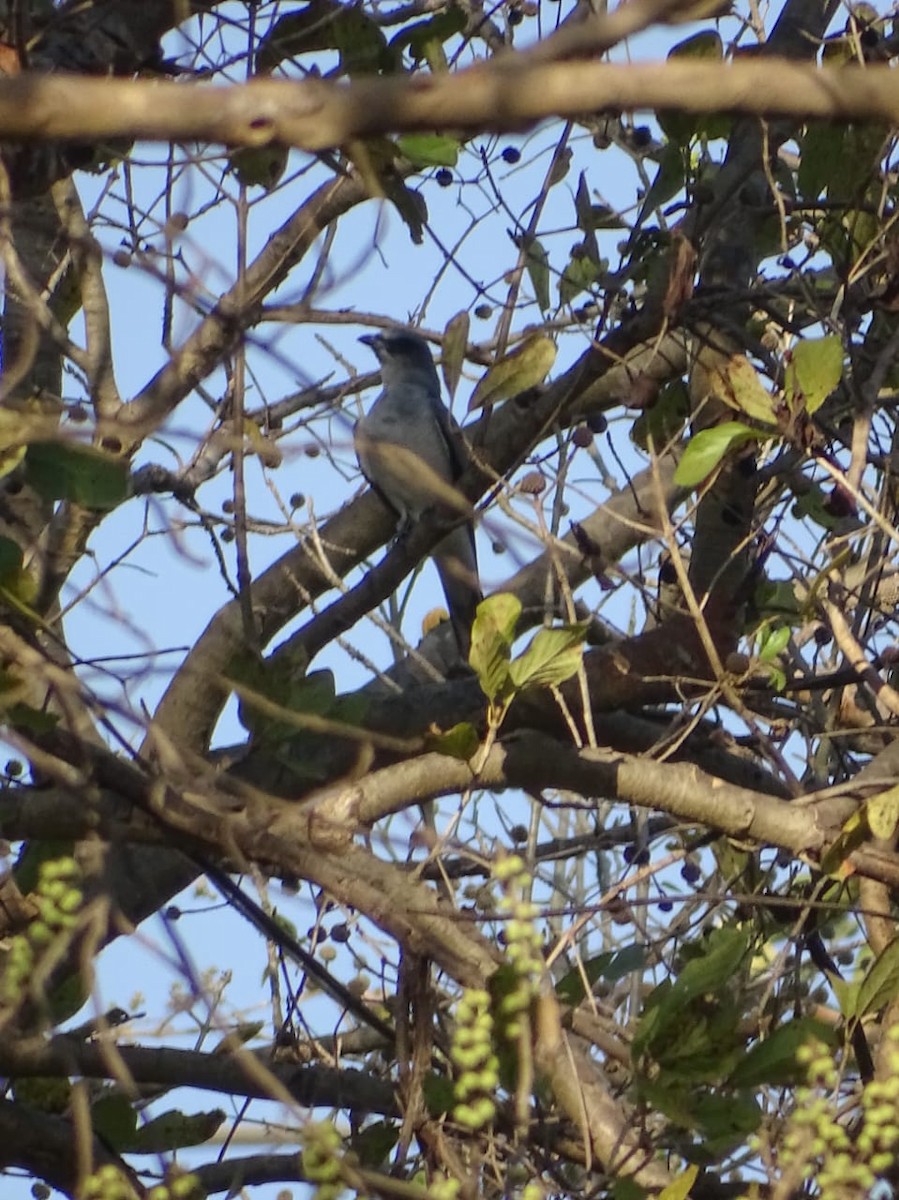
<point x="412" y="453"/>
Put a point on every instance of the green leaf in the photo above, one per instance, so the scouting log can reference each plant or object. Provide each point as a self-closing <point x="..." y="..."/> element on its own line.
<point x="439" y="1094"/>
<point x="173" y="1130"/>
<point x="10" y="557"/>
<point x="583" y="205"/>
<point x="553" y="656"/>
<point x="714" y="966"/>
<point x="776" y="598"/>
<point x="664" y="420"/>
<point x="114" y="1120"/>
<point x="536" y="262"/>
<point x="526" y="366"/>
<point x="492" y="635"/>
<point x="773" y="1062"/>
<point x="774" y="643"/>
<point x="327" y="25"/>
<point x="82" y="474"/>
<point x="583" y="211"/>
<point x="429" y="149"/>
<point x="425" y="38"/>
<point x="459" y="742"/>
<point x="819" y="161"/>
<point x="611" y="966"/>
<point x="725" y="1120"/>
<point x="668" y="181"/>
<point x="411" y="206"/>
<point x="277" y="681"/>
<point x="580" y="273"/>
<point x="259" y="166"/>
<point x="603" y="217"/>
<point x="627" y="1189"/>
<point x="706" y="449"/>
<point x="373" y="1143"/>
<point x="880" y="983"/>
<point x="883" y="812"/>
<point x="455" y="346"/>
<point x="683" y="127"/>
<point x="814" y="370"/>
<point x="813" y="504"/>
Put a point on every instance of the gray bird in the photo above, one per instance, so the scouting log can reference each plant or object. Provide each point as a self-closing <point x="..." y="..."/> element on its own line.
<point x="411" y="453"/>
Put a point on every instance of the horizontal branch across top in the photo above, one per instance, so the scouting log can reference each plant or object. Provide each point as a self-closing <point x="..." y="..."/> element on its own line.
<point x="509" y="95"/>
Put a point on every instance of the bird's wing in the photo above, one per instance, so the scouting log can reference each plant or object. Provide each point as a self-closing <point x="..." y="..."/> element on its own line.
<point x="453" y="436"/>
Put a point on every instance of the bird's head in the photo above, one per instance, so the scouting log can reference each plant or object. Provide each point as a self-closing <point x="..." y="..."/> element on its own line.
<point x="401" y="355"/>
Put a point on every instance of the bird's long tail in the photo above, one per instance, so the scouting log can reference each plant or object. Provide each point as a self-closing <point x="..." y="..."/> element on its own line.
<point x="457" y="565"/>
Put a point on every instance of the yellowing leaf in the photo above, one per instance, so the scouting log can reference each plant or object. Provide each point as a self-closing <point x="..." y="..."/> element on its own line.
<point x="553" y="656"/>
<point x="10" y="459"/>
<point x="492" y="635"/>
<point x="742" y="389"/>
<point x="526" y="366"/>
<point x="814" y="370"/>
<point x="681" y="1187"/>
<point x="455" y="343"/>
<point x="580" y="273"/>
<point x="705" y="44"/>
<point x="722" y="374"/>
<point x="883" y="812"/>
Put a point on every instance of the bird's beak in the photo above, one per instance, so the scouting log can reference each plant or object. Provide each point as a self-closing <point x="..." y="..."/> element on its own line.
<point x="372" y="340"/>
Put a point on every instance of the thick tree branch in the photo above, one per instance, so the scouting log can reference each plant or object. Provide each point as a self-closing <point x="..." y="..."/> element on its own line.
<point x="315" y="115"/>
<point x="230" y="1074"/>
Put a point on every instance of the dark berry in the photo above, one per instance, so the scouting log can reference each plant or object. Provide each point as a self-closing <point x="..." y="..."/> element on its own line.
<point x="690" y="872"/>
<point x="444" y="177"/>
<point x="511" y="155"/>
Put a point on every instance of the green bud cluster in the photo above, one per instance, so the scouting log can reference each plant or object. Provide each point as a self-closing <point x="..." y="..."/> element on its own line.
<point x="878" y="1140"/>
<point x="107" y="1183"/>
<point x="444" y="1187"/>
<point x="840" y="1165"/>
<point x="475" y="1060"/>
<point x="321" y="1159"/>
<point x="58" y="899"/>
<point x="181" y="1186"/>
<point x="524" y="942"/>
